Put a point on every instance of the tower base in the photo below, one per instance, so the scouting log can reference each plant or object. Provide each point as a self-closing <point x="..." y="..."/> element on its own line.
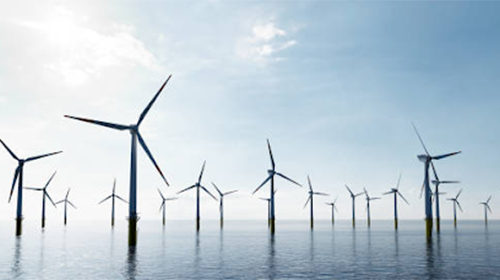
<point x="132" y="231"/>
<point x="19" y="226"/>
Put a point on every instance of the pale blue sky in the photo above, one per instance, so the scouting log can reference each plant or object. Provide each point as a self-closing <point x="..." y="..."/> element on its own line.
<point x="333" y="84"/>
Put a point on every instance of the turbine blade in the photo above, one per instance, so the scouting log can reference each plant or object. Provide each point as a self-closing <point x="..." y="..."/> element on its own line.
<point x="117" y="196"/>
<point x="489" y="209"/>
<point x="352" y="194"/>
<point x="101" y="123"/>
<point x="146" y="110"/>
<point x="286" y="178"/>
<point x="42" y="156"/>
<point x="263" y="183"/>
<point x="145" y="147"/>
<point x="459" y="207"/>
<point x="335" y="201"/>
<point x="9" y="150"/>
<point x="335" y="207"/>
<point x="67" y="194"/>
<point x="171" y="198"/>
<point x="69" y="202"/>
<point x="202" y="170"/>
<point x="114" y="186"/>
<point x="358" y="194"/>
<point x="320" y="193"/>
<point x="220" y="193"/>
<point x="458" y="194"/>
<point x="161" y="206"/>
<point x="386" y="193"/>
<point x="399" y="181"/>
<point x="434" y="171"/>
<point x="105" y="199"/>
<point x="48" y="196"/>
<point x="422" y="189"/>
<point x="450" y="182"/>
<point x="309" y="181"/>
<point x="420" y="138"/>
<point x="33" y="189"/>
<point x="60" y="201"/>
<point x="186" y="189"/>
<point x="50" y="180"/>
<point x="230" y="192"/>
<point x="402" y="197"/>
<point x="488" y="201"/>
<point x="163" y="198"/>
<point x="271" y="154"/>
<point x="446" y="155"/>
<point x="307" y="201"/>
<point x="16" y="174"/>
<point x="208" y="192"/>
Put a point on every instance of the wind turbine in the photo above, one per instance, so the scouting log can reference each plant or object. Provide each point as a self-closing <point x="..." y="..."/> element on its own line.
<point x="396" y="192"/>
<point x="334" y="208"/>
<point x="427" y="159"/>
<point x="310" y="199"/>
<point x="44" y="194"/>
<point x="486" y="209"/>
<point x="368" y="199"/>
<point x="455" y="204"/>
<point x="198" y="186"/>
<point x="163" y="205"/>
<point x="66" y="202"/>
<point x="271" y="173"/>
<point x="438" y="182"/>
<point x="221" y="206"/>
<point x="134" y="131"/>
<point x="113" y="196"/>
<point x="18" y="175"/>
<point x="353" y="196"/>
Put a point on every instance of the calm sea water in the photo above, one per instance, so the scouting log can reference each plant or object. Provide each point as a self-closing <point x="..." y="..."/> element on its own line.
<point x="245" y="250"/>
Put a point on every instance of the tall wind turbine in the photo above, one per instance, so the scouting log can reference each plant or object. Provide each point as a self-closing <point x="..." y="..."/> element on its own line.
<point x="18" y="175"/>
<point x="436" y="183"/>
<point x="455" y="204"/>
<point x="334" y="208"/>
<point x="310" y="199"/>
<point x="66" y="202"/>
<point x="368" y="199"/>
<point x="44" y="194"/>
<point x="486" y="209"/>
<point x="113" y="196"/>
<point x="198" y="186"/>
<point x="221" y="205"/>
<point x="396" y="192"/>
<point x="353" y="196"/>
<point x="163" y="205"/>
<point x="271" y="173"/>
<point x="427" y="159"/>
<point x="134" y="132"/>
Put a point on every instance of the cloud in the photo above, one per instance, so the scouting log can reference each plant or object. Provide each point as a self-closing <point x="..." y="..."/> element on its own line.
<point x="266" y="40"/>
<point x="81" y="51"/>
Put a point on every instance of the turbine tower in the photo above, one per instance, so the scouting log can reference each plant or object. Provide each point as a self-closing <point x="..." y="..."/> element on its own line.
<point x="268" y="208"/>
<point x="486" y="209"/>
<point x="455" y="204"/>
<point x="334" y="208"/>
<point x="368" y="199"/>
<point x="353" y="196"/>
<point x="396" y="192"/>
<point x="221" y="206"/>
<point x="310" y="199"/>
<point x="66" y="202"/>
<point x="163" y="205"/>
<point x="436" y="183"/>
<point x="272" y="172"/>
<point x="113" y="196"/>
<point x="198" y="186"/>
<point x="136" y="136"/>
<point x="18" y="176"/>
<point x="44" y="194"/>
<point x="427" y="159"/>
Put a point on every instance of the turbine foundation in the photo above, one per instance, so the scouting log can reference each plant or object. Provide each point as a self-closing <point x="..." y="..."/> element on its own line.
<point x="132" y="231"/>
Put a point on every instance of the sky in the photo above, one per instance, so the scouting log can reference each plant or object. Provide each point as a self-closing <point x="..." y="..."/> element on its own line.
<point x="334" y="85"/>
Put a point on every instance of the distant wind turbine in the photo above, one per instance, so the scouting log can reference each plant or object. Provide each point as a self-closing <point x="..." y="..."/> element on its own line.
<point x="368" y="199"/>
<point x="66" y="202"/>
<point x="271" y="173"/>
<point x="198" y="185"/>
<point x="221" y="205"/>
<point x="311" y="199"/>
<point x="353" y="196"/>
<point x="44" y="194"/>
<point x="134" y="132"/>
<point x="113" y="196"/>
<point x="427" y="159"/>
<point x="486" y="209"/>
<point x="438" y="182"/>
<point x="455" y="204"/>
<point x="163" y="205"/>
<point x="334" y="208"/>
<point x="396" y="192"/>
<point x="18" y="175"/>
<point x="268" y="208"/>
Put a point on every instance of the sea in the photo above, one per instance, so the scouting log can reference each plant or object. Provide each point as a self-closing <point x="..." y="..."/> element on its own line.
<point x="247" y="250"/>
